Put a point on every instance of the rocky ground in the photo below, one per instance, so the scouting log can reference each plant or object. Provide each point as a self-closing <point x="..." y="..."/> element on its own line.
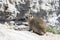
<point x="12" y="9"/>
<point x="7" y="33"/>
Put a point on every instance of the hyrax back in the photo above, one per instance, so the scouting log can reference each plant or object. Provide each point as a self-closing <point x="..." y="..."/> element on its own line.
<point x="37" y="25"/>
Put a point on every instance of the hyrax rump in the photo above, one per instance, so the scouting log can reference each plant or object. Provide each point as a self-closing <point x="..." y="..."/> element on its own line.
<point x="37" y="25"/>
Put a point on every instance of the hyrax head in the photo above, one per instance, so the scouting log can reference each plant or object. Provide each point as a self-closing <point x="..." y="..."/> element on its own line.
<point x="28" y="16"/>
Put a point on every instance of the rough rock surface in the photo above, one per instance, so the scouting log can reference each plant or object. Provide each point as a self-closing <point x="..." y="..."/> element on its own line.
<point x="10" y="34"/>
<point x="15" y="9"/>
<point x="6" y="34"/>
<point x="9" y="9"/>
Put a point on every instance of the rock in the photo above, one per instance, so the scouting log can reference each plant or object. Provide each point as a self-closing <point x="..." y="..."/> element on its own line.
<point x="22" y="28"/>
<point x="10" y="34"/>
<point x="16" y="9"/>
<point x="6" y="34"/>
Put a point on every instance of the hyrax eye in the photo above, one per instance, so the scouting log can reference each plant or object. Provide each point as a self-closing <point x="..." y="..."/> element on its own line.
<point x="27" y="17"/>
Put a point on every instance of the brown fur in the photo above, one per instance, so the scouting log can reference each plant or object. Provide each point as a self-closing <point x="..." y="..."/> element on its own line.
<point x="37" y="25"/>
